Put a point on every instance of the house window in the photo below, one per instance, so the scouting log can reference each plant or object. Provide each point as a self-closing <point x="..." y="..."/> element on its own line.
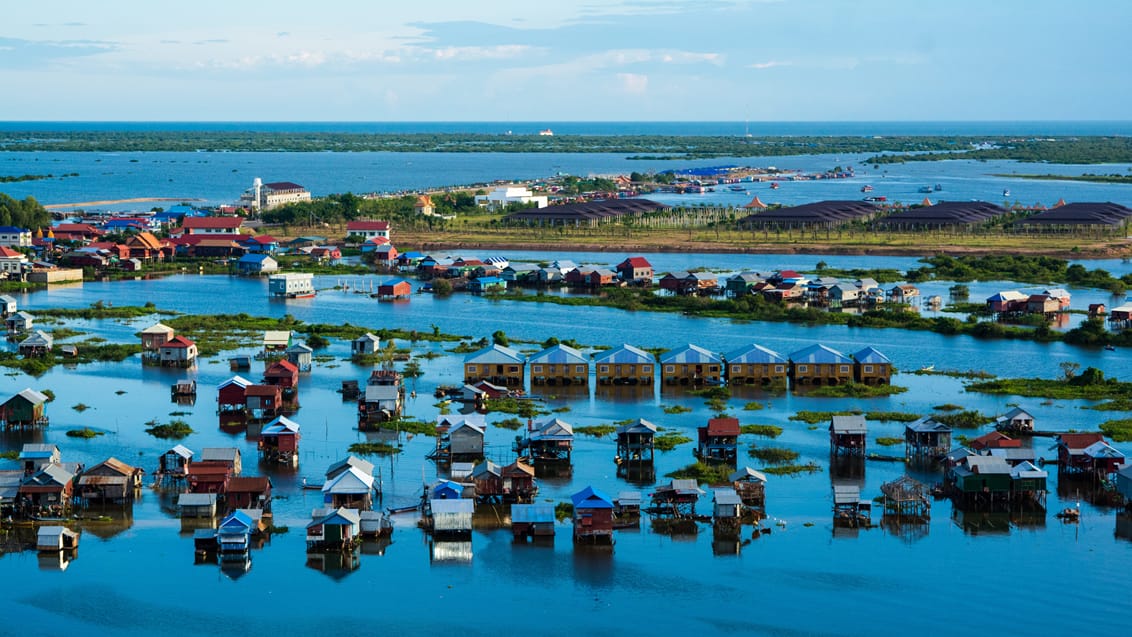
<point x="868" y="369"/>
<point x="580" y="369"/>
<point x="513" y="369"/>
<point x="603" y="369"/>
<point x="802" y="369"/>
<point x="844" y="369"/>
<point x="536" y="369"/>
<point x="471" y="369"/>
<point x="735" y="369"/>
<point x="713" y="369"/>
<point x="669" y="369"/>
<point x="778" y="369"/>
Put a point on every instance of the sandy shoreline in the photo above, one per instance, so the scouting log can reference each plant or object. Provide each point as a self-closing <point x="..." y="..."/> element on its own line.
<point x="111" y="202"/>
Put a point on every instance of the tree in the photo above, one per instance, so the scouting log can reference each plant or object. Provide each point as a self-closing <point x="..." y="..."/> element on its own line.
<point x="499" y="337"/>
<point x="413" y="371"/>
<point x="1069" y="368"/>
<point x="442" y="287"/>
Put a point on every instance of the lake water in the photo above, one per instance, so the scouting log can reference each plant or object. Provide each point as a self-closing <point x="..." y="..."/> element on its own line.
<point x="803" y="578"/>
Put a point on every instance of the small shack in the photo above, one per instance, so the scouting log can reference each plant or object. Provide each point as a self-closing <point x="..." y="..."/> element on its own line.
<point x="153" y="337"/>
<point x="109" y="481"/>
<point x="677" y="498"/>
<point x="593" y="517"/>
<point x="926" y="438"/>
<point x="197" y="505"/>
<point x="719" y="441"/>
<point x="279" y="440"/>
<point x="635" y="442"/>
<point x="551" y="440"/>
<point x="535" y="521"/>
<point x="727" y="507"/>
<point x="55" y="538"/>
<point x="249" y="493"/>
<point x="28" y="408"/>
<point x="175" y="462"/>
<point x="300" y="356"/>
<point x="335" y="530"/>
<point x="284" y="374"/>
<point x="849" y="510"/>
<point x="365" y="345"/>
<point x="39" y="343"/>
<point x="751" y="487"/>
<point x="177" y="352"/>
<point x="1015" y="421"/>
<point x="451" y="518"/>
<point x="847" y="435"/>
<point x="233" y="534"/>
<point x="227" y="456"/>
<point x="906" y="499"/>
<point x="459" y="438"/>
<point x="352" y="488"/>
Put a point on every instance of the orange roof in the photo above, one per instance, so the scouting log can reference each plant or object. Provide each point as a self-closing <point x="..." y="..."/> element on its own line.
<point x="755" y="203"/>
<point x="926" y="202"/>
<point x="145" y="240"/>
<point x="1060" y="203"/>
<point x="8" y="253"/>
<point x="424" y="201"/>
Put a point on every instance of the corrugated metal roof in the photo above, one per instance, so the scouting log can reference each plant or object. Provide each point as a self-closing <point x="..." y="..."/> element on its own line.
<point x="196" y="499"/>
<point x="591" y="498"/>
<point x="639" y="426"/>
<point x="689" y="354"/>
<point x="727" y="497"/>
<point x="364" y="466"/>
<point x="97" y="481"/>
<point x="1028" y="470"/>
<point x="1102" y="449"/>
<point x="495" y="354"/>
<point x="746" y="474"/>
<point x="455" y="505"/>
<point x="848" y="425"/>
<point x="818" y="354"/>
<point x="223" y="454"/>
<point x="927" y="424"/>
<point x="281" y="425"/>
<point x="755" y="354"/>
<point x="378" y="393"/>
<point x="452" y="420"/>
<point x="532" y="513"/>
<point x="629" y="498"/>
<point x="872" y="356"/>
<point x="553" y="429"/>
<point x="846" y="494"/>
<point x="351" y="481"/>
<point x="624" y="355"/>
<point x="987" y="465"/>
<point x="182" y="451"/>
<point x="559" y="354"/>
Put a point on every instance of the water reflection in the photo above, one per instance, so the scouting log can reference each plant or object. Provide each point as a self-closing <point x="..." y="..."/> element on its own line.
<point x="1124" y="525"/>
<point x="56" y="560"/>
<point x="337" y="565"/>
<point x="445" y="552"/>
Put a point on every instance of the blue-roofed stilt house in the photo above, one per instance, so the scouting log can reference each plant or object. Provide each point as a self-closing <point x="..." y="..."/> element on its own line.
<point x="690" y="365"/>
<point x="871" y="367"/>
<point x="820" y="365"/>
<point x="756" y="365"/>
<point x="625" y="365"/>
<point x="233" y="534"/>
<point x="559" y="365"/>
<point x="496" y="364"/>
<point x="593" y="517"/>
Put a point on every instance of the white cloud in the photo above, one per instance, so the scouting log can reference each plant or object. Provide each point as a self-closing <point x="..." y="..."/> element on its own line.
<point x="769" y="64"/>
<point x="633" y="83"/>
<point x="475" y="53"/>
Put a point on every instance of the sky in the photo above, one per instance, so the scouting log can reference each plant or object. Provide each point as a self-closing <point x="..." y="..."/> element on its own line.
<point x="567" y="60"/>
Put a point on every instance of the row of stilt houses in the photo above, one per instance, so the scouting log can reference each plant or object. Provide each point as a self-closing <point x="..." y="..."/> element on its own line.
<point x="689" y="365"/>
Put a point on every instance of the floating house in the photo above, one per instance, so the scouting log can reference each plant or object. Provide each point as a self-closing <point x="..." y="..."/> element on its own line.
<point x="677" y="498"/>
<point x="820" y="365"/>
<point x="1086" y="454"/>
<point x="382" y="401"/>
<point x="375" y="524"/>
<point x="559" y="365"/>
<point x="756" y="365"/>
<point x="255" y="264"/>
<point x="496" y="364"/>
<point x="394" y="289"/>
<point x="175" y="462"/>
<point x="926" y="438"/>
<point x="459" y="438"/>
<point x="18" y="322"/>
<point x="719" y="440"/>
<point x="847" y="435"/>
<point x="231" y="395"/>
<point x="8" y="305"/>
<point x="28" y="408"/>
<point x="727" y="507"/>
<point x="871" y="367"/>
<point x="351" y="488"/>
<point x="39" y="343"/>
<point x="504" y="485"/>
<point x="300" y="356"/>
<point x="690" y="365"/>
<point x="109" y="481"/>
<point x="249" y="493"/>
<point x="153" y="337"/>
<point x="751" y="487"/>
<point x="365" y="345"/>
<point x="635" y="270"/>
<point x="227" y="456"/>
<point x="233" y="534"/>
<point x="635" y="442"/>
<point x="451" y="518"/>
<point x="263" y="402"/>
<point x="849" y="510"/>
<point x="625" y="365"/>
<point x="291" y="285"/>
<point x="197" y="505"/>
<point x="279" y="440"/>
<point x="534" y="521"/>
<point x="593" y="517"/>
<point x="906" y="499"/>
<point x="337" y="529"/>
<point x="284" y="374"/>
<point x="550" y="440"/>
<point x="35" y="456"/>
<point x="48" y="490"/>
<point x="208" y="477"/>
<point x="275" y="342"/>
<point x="1017" y="420"/>
<point x="55" y="538"/>
<point x="178" y="352"/>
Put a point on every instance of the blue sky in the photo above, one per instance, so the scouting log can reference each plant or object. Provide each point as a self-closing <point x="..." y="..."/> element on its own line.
<point x="524" y="60"/>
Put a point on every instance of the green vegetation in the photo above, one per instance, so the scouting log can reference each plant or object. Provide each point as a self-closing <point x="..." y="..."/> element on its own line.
<point x="510" y="423"/>
<point x="767" y="431"/>
<point x="85" y="432"/>
<point x="855" y="390"/>
<point x="274" y="529"/>
<point x="88" y="352"/>
<point x="172" y="429"/>
<point x="563" y="511"/>
<point x="24" y="214"/>
<point x="948" y="407"/>
<point x="411" y="426"/>
<point x="103" y="310"/>
<point x="792" y="469"/>
<point x="1015" y="267"/>
<point x="1119" y="430"/>
<point x="675" y="409"/>
<point x="669" y="440"/>
<point x="1111" y="178"/>
<point x="889" y="441"/>
<point x="80" y="407"/>
<point x="752" y="406"/>
<point x="508" y="405"/>
<point x="10" y="454"/>
<point x="1090" y="384"/>
<point x="12" y="179"/>
<point x="890" y="416"/>
<point x="1057" y="150"/>
<point x="595" y="431"/>
<point x="373" y="449"/>
<point x="773" y="455"/>
<point x="814" y="417"/>
<point x="964" y="419"/>
<point x="713" y="474"/>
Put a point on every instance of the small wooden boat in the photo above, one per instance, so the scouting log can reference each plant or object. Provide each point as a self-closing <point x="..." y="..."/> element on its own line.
<point x="927" y="368"/>
<point x="405" y="509"/>
<point x="1110" y="348"/>
<point x="1069" y="514"/>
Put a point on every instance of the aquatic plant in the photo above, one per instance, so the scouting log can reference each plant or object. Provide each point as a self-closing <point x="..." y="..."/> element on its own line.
<point x="508" y="405"/>
<point x="855" y="390"/>
<point x="563" y="511"/>
<point x="964" y="419"/>
<point x="889" y="441"/>
<point x="753" y="406"/>
<point x="10" y="454"/>
<point x="713" y="474"/>
<point x="374" y="449"/>
<point x="172" y="429"/>
<point x="80" y="407"/>
<point x="675" y="409"/>
<point x="669" y="440"/>
<point x="85" y="432"/>
<point x="511" y="423"/>
<point x="792" y="469"/>
<point x="948" y="407"/>
<point x="596" y="431"/>
<point x="1119" y="430"/>
<point x="773" y="455"/>
<point x="767" y="431"/>
<point x="814" y="417"/>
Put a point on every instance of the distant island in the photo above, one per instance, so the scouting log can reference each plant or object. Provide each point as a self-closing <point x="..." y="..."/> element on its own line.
<point x="1113" y="178"/>
<point x="881" y="149"/>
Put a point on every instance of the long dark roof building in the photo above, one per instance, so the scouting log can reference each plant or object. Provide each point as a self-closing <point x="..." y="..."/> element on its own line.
<point x="1079" y="214"/>
<point x="943" y="214"/>
<point x="818" y="214"/>
<point x="584" y="214"/>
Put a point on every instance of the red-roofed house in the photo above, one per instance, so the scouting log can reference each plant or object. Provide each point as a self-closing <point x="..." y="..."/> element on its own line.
<point x="719" y="440"/>
<point x="178" y="352"/>
<point x="367" y="229"/>
<point x="1071" y="456"/>
<point x="81" y="232"/>
<point x="282" y="373"/>
<point x="12" y="260"/>
<point x="994" y="440"/>
<point x="261" y="244"/>
<point x="635" y="269"/>
<point x="210" y="225"/>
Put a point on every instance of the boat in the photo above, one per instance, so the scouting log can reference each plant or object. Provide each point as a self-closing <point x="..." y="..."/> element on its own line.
<point x="774" y="185"/>
<point x="1110" y="348"/>
<point x="1005" y="192"/>
<point x="866" y="188"/>
<point x="938" y="187"/>
<point x="1069" y="514"/>
<point x="736" y="189"/>
<point x="876" y="199"/>
<point x="925" y="189"/>
<point x="927" y="368"/>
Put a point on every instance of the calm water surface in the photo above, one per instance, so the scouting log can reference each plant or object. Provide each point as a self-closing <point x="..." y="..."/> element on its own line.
<point x="804" y="578"/>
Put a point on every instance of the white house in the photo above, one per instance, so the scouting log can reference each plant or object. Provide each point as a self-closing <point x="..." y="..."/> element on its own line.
<point x="368" y="229"/>
<point x="11" y="261"/>
<point x="14" y="237"/>
<point x="505" y="195"/>
<point x="263" y="196"/>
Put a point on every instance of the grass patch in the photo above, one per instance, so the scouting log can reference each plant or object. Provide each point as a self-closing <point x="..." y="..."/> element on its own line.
<point x="964" y="419"/>
<point x="703" y="472"/>
<point x="753" y="406"/>
<point x="721" y="392"/>
<point x="1119" y="430"/>
<point x="1089" y="384"/>
<point x="973" y="374"/>
<point x="563" y="511"/>
<point x="814" y="417"/>
<point x="889" y="441"/>
<point x="676" y="409"/>
<point x="595" y="431"/>
<point x="855" y="390"/>
<point x="172" y="429"/>
<point x="669" y="441"/>
<point x="508" y="405"/>
<point x="411" y="426"/>
<point x="271" y="528"/>
<point x="891" y="416"/>
<point x="10" y="454"/>
<point x="85" y="432"/>
<point x="80" y="407"/>
<point x="511" y="423"/>
<point x="374" y="449"/>
<point x="561" y="410"/>
<point x="767" y="431"/>
<point x="773" y="455"/>
<point x="948" y="407"/>
<point x="792" y="469"/>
